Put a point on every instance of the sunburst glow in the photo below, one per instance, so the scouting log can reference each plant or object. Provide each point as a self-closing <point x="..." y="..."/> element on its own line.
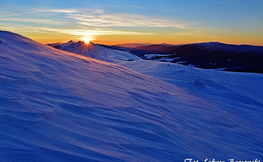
<point x="87" y="39"/>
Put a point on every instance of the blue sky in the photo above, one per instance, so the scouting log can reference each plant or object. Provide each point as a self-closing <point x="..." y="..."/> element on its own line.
<point x="120" y="21"/>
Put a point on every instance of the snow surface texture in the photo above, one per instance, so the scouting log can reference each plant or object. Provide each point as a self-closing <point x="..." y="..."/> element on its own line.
<point x="239" y="91"/>
<point x="59" y="106"/>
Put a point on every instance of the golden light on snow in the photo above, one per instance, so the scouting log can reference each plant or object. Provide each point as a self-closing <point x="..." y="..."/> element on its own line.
<point x="87" y="39"/>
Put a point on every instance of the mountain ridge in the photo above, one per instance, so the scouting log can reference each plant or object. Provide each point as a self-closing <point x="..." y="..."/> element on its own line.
<point x="208" y="55"/>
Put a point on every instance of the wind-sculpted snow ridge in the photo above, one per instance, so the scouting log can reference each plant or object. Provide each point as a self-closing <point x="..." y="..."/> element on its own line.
<point x="58" y="106"/>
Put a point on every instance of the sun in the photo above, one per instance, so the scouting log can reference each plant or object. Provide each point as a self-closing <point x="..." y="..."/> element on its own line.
<point x="87" y="39"/>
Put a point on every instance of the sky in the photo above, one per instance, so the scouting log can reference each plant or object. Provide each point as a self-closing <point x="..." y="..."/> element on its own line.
<point x="135" y="21"/>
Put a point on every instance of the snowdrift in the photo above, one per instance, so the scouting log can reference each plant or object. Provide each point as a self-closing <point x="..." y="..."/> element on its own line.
<point x="59" y="106"/>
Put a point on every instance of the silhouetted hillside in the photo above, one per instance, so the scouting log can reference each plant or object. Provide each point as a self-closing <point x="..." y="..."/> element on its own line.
<point x="212" y="55"/>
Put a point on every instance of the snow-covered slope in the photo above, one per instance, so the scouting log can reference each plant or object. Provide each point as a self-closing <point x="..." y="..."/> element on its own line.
<point x="240" y="93"/>
<point x="58" y="106"/>
<point x="95" y="51"/>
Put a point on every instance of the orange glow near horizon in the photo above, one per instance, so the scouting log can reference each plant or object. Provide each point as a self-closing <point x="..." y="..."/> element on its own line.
<point x="158" y="38"/>
<point x="154" y="39"/>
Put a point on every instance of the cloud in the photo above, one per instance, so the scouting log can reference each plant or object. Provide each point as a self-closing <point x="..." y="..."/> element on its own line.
<point x="98" y="18"/>
<point x="33" y="20"/>
<point x="189" y="34"/>
<point x="69" y="10"/>
<point x="91" y="22"/>
<point x="93" y="32"/>
<point x="224" y="1"/>
<point x="123" y="20"/>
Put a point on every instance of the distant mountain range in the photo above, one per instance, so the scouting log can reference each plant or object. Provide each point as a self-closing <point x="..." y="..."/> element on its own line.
<point x="211" y="55"/>
<point x="133" y="45"/>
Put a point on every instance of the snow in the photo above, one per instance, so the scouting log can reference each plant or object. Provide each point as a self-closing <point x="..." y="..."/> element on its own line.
<point x="181" y="62"/>
<point x="60" y="106"/>
<point x="164" y="57"/>
<point x="167" y="60"/>
<point x="97" y="52"/>
<point x="220" y="69"/>
<point x="151" y="56"/>
<point x="239" y="93"/>
<point x="191" y="65"/>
